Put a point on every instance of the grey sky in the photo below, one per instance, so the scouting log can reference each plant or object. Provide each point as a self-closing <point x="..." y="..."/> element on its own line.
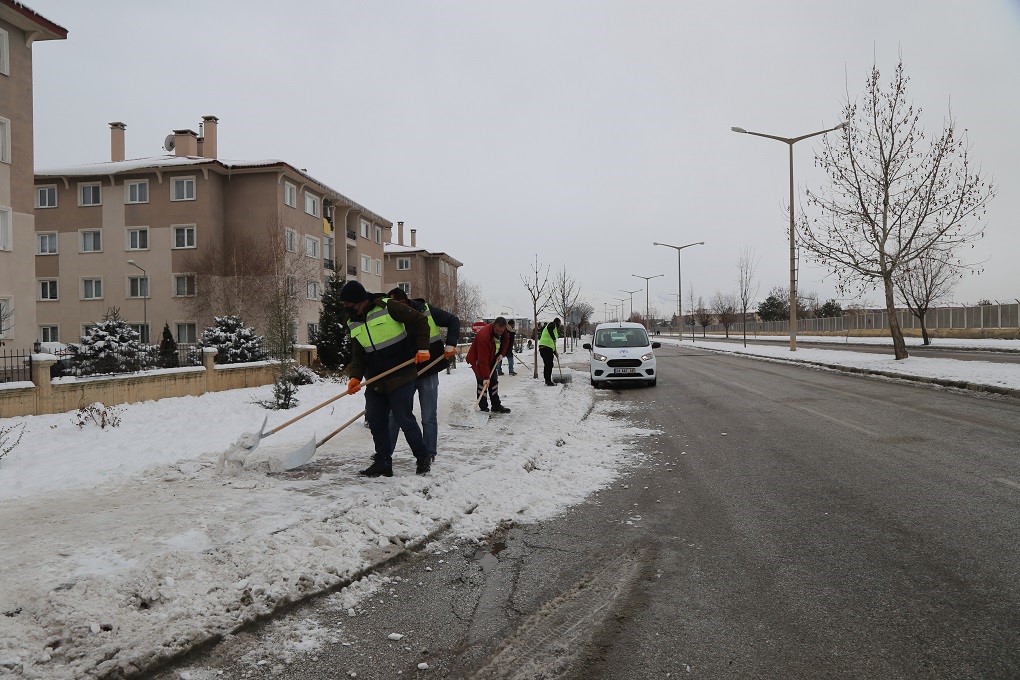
<point x="580" y="131"/>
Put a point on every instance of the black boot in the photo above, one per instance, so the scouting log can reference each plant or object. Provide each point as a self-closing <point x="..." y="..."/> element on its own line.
<point x="376" y="470"/>
<point x="423" y="466"/>
<point x="500" y="409"/>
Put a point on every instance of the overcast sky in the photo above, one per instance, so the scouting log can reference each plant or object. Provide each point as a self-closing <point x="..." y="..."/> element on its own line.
<point x="579" y="132"/>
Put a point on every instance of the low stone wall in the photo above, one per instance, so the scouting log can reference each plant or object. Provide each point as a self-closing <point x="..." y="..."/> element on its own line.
<point x="60" y="395"/>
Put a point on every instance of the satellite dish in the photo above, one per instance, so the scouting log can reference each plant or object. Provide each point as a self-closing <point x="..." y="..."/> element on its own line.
<point x="168" y="143"/>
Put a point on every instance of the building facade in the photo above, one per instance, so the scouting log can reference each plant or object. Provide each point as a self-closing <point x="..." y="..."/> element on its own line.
<point x="20" y="28"/>
<point x="181" y="238"/>
<point x="421" y="273"/>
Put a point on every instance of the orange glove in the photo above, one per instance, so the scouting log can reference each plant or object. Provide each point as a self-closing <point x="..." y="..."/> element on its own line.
<point x="422" y="357"/>
<point x="353" y="385"/>
<point x="449" y="351"/>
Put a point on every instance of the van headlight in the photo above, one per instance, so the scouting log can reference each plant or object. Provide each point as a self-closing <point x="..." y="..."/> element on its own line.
<point x="600" y="357"/>
<point x="647" y="357"/>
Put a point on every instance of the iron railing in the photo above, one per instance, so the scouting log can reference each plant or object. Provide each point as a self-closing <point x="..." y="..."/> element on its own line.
<point x="15" y="366"/>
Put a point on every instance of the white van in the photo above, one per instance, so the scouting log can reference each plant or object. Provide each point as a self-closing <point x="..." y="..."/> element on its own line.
<point x="621" y="352"/>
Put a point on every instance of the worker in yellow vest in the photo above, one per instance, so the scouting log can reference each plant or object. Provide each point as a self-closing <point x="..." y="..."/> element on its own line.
<point x="547" y="347"/>
<point x="385" y="334"/>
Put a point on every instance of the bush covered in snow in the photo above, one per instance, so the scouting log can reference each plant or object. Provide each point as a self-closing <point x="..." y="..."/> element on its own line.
<point x="110" y="346"/>
<point x="301" y="375"/>
<point x="97" y="414"/>
<point x="235" y="343"/>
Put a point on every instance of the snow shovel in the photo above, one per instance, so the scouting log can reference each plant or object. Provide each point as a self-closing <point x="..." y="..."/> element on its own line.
<point x="564" y="377"/>
<point x="477" y="418"/>
<point x="262" y="434"/>
<point x="300" y="456"/>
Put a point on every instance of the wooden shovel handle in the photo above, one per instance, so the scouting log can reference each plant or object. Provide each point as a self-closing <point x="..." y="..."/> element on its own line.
<point x="339" y="396"/>
<point x="485" y="385"/>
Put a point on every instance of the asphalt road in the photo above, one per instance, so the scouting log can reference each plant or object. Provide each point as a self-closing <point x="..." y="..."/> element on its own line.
<point x="786" y="523"/>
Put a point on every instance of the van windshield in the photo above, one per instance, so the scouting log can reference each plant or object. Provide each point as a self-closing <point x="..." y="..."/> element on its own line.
<point x="621" y="337"/>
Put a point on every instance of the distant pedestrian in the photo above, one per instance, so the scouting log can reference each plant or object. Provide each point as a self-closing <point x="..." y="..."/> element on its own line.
<point x="386" y="334"/>
<point x="486" y="349"/>
<point x="511" y="330"/>
<point x="547" y="347"/>
<point x="427" y="385"/>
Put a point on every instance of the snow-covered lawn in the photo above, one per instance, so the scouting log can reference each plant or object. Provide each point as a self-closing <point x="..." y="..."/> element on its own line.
<point x="127" y="544"/>
<point x="992" y="344"/>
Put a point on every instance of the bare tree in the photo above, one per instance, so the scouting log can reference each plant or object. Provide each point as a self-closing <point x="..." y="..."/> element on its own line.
<point x="438" y="290"/>
<point x="691" y="305"/>
<point x="725" y="307"/>
<point x="584" y="312"/>
<point x="747" y="265"/>
<point x="891" y="200"/>
<point x="6" y="319"/>
<point x="537" y="285"/>
<point x="469" y="302"/>
<point x="702" y="316"/>
<point x="927" y="279"/>
<point x="563" y="297"/>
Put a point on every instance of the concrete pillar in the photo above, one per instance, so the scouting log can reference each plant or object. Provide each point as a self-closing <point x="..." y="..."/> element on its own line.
<point x="43" y="384"/>
<point x="209" y="362"/>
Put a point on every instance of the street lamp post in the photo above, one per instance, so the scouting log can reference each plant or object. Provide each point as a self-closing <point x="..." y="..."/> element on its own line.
<point x="145" y="298"/>
<point x="679" y="278"/>
<point x="631" y="293"/>
<point x="623" y="307"/>
<point x="647" y="279"/>
<point x="790" y="141"/>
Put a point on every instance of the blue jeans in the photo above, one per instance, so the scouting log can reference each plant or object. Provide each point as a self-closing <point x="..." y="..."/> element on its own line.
<point x="398" y="403"/>
<point x="428" y="398"/>
<point x="509" y="363"/>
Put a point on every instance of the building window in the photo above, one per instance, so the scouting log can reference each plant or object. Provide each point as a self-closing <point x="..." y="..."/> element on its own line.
<point x="91" y="241"/>
<point x="313" y="333"/>
<point x="406" y="287"/>
<point x="292" y="286"/>
<point x="137" y="192"/>
<point x="328" y="247"/>
<point x="403" y="264"/>
<point x="5" y="140"/>
<point x="6" y="315"/>
<point x="138" y="286"/>
<point x="49" y="334"/>
<point x="378" y="234"/>
<point x="138" y="238"/>
<point x="5" y="53"/>
<point x="290" y="240"/>
<point x="182" y="189"/>
<point x="364" y="229"/>
<point x="48" y="290"/>
<point x="184" y="285"/>
<point x="289" y="194"/>
<point x="312" y="247"/>
<point x="142" y="330"/>
<point x="187" y="333"/>
<point x="378" y="267"/>
<point x="311" y="204"/>
<point x="46" y="197"/>
<point x="91" y="289"/>
<point x="6" y="234"/>
<point x="90" y="194"/>
<point x="47" y="243"/>
<point x="366" y="264"/>
<point x="312" y="290"/>
<point x="184" y="236"/>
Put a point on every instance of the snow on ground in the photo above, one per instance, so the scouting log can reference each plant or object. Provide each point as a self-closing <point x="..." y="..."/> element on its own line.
<point x="127" y="544"/>
<point x="993" y="344"/>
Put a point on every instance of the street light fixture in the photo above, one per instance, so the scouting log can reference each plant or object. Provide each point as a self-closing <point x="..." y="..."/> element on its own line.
<point x="790" y="141"/>
<point x="631" y="293"/>
<point x="145" y="306"/>
<point x="679" y="279"/>
<point x="647" y="279"/>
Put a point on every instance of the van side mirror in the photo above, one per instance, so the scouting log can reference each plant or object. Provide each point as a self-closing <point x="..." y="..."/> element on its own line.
<point x="586" y="345"/>
<point x="656" y="345"/>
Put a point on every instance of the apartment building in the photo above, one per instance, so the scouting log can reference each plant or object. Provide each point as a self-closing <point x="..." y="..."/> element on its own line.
<point x="421" y="273"/>
<point x="183" y="237"/>
<point x="20" y="28"/>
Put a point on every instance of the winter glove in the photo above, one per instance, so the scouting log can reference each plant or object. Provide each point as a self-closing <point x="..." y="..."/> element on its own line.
<point x="353" y="385"/>
<point x="449" y="351"/>
<point x="422" y="356"/>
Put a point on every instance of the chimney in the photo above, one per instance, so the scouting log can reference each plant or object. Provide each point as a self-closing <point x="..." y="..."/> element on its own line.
<point x="117" y="141"/>
<point x="185" y="143"/>
<point x="209" y="135"/>
<point x="400" y="233"/>
<point x="413" y="239"/>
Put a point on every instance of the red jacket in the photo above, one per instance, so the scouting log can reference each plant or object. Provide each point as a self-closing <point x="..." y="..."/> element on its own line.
<point x="483" y="351"/>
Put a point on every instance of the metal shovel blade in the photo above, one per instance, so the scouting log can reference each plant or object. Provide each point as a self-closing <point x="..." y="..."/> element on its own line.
<point x="252" y="445"/>
<point x="564" y="377"/>
<point x="472" y="420"/>
<point x="299" y="457"/>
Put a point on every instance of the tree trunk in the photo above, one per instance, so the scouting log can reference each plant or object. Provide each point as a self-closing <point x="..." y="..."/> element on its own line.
<point x="924" y="329"/>
<point x="899" y="346"/>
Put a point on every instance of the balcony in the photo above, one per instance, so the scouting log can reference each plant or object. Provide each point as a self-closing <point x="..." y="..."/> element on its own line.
<point x="352" y="235"/>
<point x="352" y="271"/>
<point x="329" y="264"/>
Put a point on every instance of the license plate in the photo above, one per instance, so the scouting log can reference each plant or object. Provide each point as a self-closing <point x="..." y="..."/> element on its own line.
<point x="624" y="371"/>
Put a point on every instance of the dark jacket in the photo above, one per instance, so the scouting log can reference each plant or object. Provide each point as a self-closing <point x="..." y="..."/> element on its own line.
<point x="482" y="353"/>
<point x="368" y="364"/>
<point x="443" y="319"/>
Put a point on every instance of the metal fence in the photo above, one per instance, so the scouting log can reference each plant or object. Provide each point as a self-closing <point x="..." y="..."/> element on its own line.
<point x="941" y="318"/>
<point x="88" y="361"/>
<point x="15" y="366"/>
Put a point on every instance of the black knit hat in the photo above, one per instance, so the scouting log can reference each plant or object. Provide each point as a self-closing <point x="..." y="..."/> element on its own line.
<point x="354" y="292"/>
